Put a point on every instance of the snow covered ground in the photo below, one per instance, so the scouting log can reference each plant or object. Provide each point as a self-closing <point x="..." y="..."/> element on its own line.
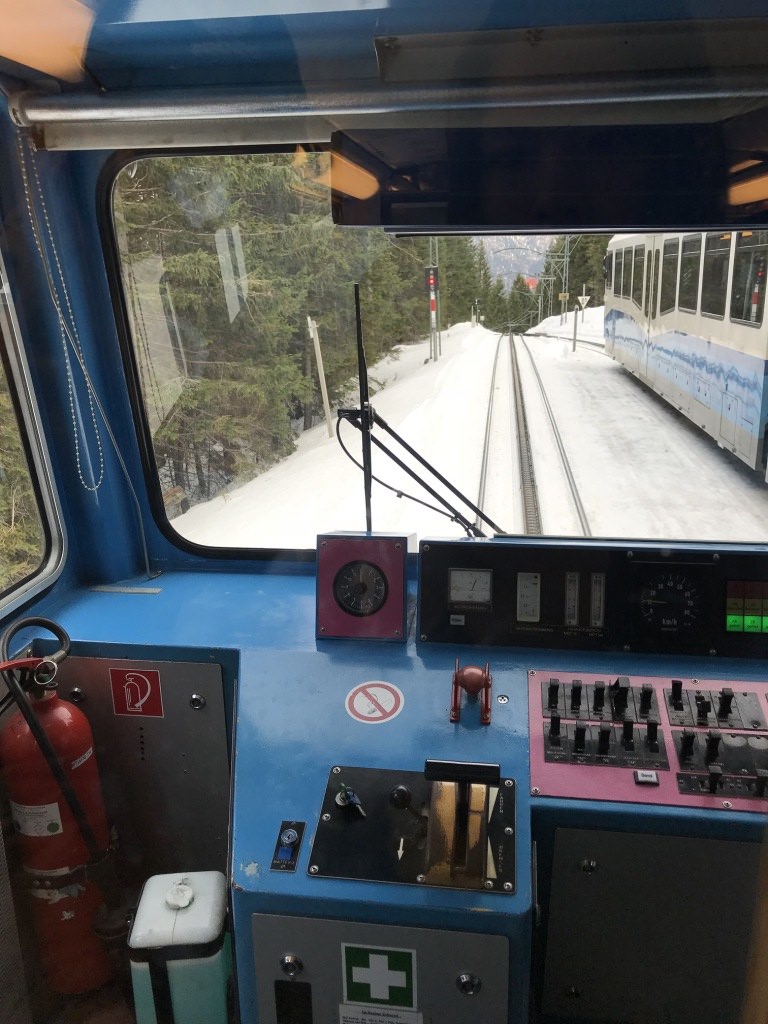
<point x="643" y="471"/>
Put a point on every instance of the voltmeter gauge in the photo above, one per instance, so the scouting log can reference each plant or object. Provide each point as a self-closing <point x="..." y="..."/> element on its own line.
<point x="360" y="588"/>
<point x="670" y="603"/>
<point x="470" y="586"/>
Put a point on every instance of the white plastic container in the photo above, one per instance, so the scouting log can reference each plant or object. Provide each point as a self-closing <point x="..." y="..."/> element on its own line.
<point x="180" y="953"/>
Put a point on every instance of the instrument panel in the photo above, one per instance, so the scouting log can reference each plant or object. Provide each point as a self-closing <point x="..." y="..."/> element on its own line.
<point x="586" y="596"/>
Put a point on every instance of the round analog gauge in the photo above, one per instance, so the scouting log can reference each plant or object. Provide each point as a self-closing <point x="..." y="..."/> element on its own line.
<point x="670" y="603"/>
<point x="360" y="588"/>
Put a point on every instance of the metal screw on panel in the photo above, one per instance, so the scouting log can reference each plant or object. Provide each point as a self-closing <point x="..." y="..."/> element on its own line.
<point x="535" y="791"/>
<point x="326" y="817"/>
<point x="423" y="638"/>
<point x="468" y="984"/>
<point x="503" y="698"/>
<point x="336" y="770"/>
<point x="713" y="652"/>
<point x="322" y="629"/>
<point x="291" y="965"/>
<point x="588" y="865"/>
<point x="508" y="782"/>
<point x="507" y="887"/>
<point x="727" y="804"/>
<point x="197" y="702"/>
<point x="420" y="878"/>
<point x="509" y="831"/>
<point x="488" y="883"/>
<point x="77" y="696"/>
<point x="396" y="632"/>
<point x="314" y="869"/>
<point x="426" y="547"/>
<point x="715" y="557"/>
<point x="324" y="544"/>
<point x="398" y="546"/>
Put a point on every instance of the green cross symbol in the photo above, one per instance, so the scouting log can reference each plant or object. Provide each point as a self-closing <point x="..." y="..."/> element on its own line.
<point x="384" y="977"/>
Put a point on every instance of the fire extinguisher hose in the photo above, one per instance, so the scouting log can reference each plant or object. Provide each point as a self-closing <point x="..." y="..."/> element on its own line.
<point x="100" y="863"/>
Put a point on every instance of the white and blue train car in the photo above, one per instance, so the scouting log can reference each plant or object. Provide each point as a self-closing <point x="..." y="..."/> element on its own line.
<point x="686" y="314"/>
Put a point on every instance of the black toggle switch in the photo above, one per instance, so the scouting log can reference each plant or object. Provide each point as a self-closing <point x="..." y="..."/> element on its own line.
<point x="760" y="781"/>
<point x="703" y="707"/>
<point x="604" y="739"/>
<point x="579" y="739"/>
<point x="576" y="695"/>
<point x="652" y="735"/>
<point x="553" y="695"/>
<point x="627" y="738"/>
<point x="677" y="694"/>
<point x="554" y="729"/>
<point x="715" y="777"/>
<point x="646" y="698"/>
<point x="724" y="703"/>
<point x="713" y="745"/>
<point x="687" y="739"/>
<point x="598" y="701"/>
<point x="620" y="695"/>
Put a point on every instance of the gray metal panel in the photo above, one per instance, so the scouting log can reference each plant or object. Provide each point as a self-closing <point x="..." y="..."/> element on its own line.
<point x="165" y="779"/>
<point x="14" y="1008"/>
<point x="441" y="956"/>
<point x="647" y="929"/>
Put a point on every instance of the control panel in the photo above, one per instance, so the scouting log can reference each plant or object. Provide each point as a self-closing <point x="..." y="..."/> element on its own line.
<point x="683" y="742"/>
<point x="584" y="596"/>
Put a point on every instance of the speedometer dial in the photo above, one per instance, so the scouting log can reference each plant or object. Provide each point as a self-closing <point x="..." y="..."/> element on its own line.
<point x="670" y="603"/>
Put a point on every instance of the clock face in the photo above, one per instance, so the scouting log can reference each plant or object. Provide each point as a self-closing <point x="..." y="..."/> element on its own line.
<point x="360" y="588"/>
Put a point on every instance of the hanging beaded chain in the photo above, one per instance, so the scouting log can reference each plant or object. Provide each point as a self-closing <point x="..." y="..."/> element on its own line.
<point x="67" y="327"/>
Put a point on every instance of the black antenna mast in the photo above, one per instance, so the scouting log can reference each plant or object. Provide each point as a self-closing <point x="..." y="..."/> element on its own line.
<point x="366" y="420"/>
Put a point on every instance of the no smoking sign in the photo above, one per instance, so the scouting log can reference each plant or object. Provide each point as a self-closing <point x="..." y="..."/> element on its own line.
<point x="374" y="702"/>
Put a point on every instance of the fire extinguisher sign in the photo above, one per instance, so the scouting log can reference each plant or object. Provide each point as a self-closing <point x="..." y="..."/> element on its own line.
<point x="136" y="694"/>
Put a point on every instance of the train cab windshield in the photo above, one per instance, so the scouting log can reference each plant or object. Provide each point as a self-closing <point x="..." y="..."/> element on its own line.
<point x="635" y="365"/>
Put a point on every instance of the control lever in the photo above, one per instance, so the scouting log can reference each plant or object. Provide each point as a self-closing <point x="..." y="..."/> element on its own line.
<point x="476" y="682"/>
<point x="457" y="843"/>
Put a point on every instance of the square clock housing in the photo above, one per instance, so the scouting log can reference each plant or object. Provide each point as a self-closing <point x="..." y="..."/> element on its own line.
<point x="361" y="586"/>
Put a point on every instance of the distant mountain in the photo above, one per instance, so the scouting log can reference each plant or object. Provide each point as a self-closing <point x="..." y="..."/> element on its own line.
<point x="510" y="255"/>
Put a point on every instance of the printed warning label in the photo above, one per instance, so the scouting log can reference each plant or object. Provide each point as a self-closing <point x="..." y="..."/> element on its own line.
<point x="377" y="1015"/>
<point x="36" y="819"/>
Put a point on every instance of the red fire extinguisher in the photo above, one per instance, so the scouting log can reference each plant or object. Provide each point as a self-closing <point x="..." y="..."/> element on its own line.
<point x="50" y="771"/>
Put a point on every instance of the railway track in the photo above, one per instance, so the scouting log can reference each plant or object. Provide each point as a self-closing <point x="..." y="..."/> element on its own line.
<point x="530" y="492"/>
<point x="519" y="434"/>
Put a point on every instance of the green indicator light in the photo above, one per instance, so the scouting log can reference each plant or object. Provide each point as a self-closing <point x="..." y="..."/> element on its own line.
<point x="753" y="623"/>
<point x="734" y="623"/>
<point x="765" y="624"/>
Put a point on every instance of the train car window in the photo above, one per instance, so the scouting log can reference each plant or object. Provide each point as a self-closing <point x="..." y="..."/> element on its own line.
<point x="626" y="281"/>
<point x="690" y="263"/>
<point x="24" y="542"/>
<point x="714" y="281"/>
<point x="655" y="285"/>
<point x="618" y="270"/>
<point x="638" y="270"/>
<point x="669" y="275"/>
<point x="748" y="281"/>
